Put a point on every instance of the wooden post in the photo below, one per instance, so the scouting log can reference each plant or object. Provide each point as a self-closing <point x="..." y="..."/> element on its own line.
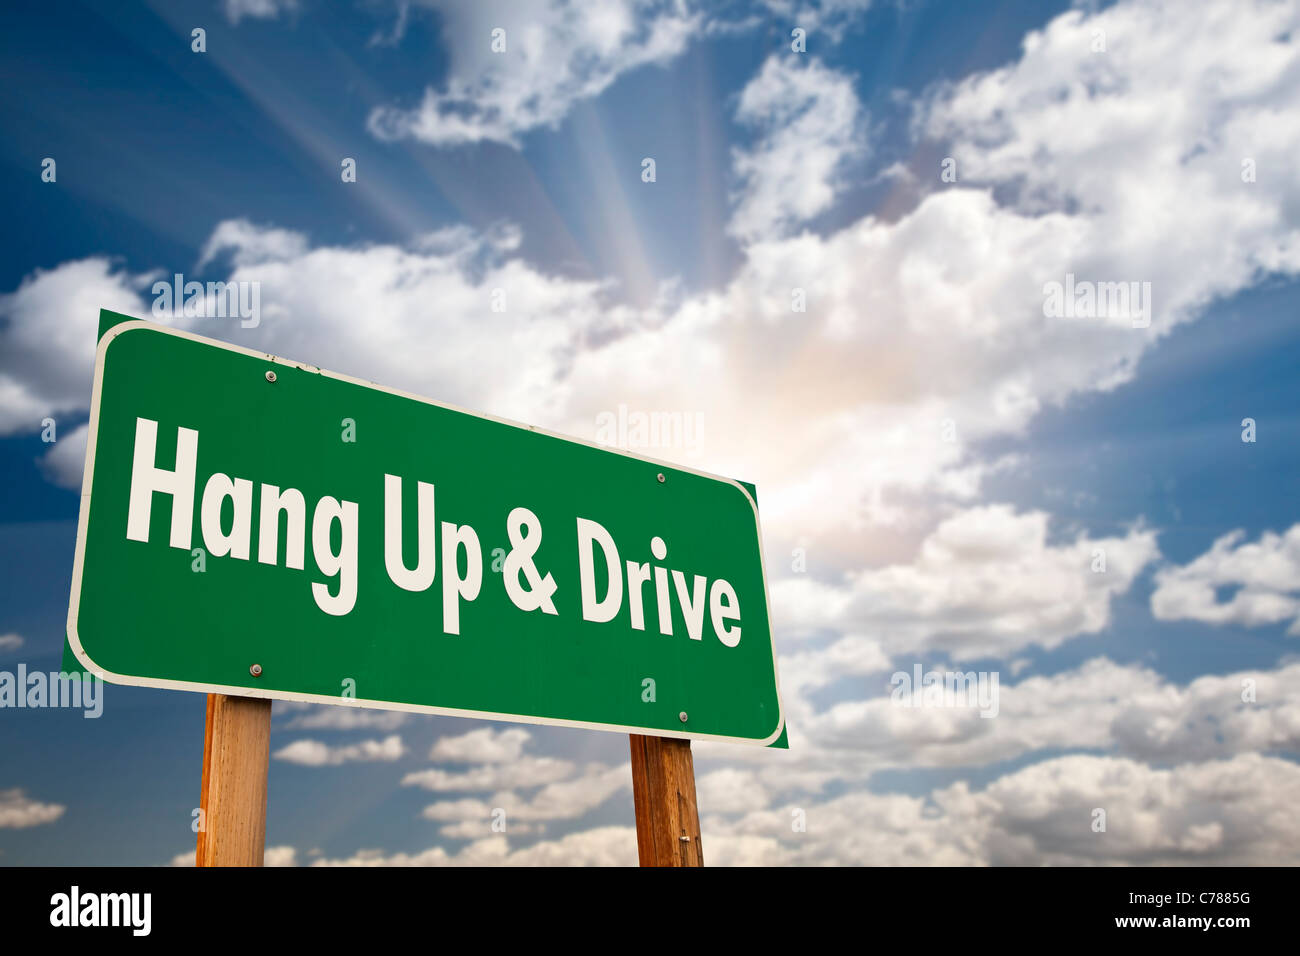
<point x="236" y="748"/>
<point x="663" y="790"/>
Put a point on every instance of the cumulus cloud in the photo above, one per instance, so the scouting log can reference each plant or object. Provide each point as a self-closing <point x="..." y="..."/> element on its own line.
<point x="525" y="771"/>
<point x="985" y="583"/>
<point x="1264" y="576"/>
<point x="485" y="745"/>
<point x="247" y="243"/>
<point x="47" y="344"/>
<point x="501" y="771"/>
<point x="314" y="753"/>
<point x="474" y="829"/>
<point x="730" y="790"/>
<point x="810" y="124"/>
<point x="1180" y="97"/>
<point x="65" y="462"/>
<point x="563" y="800"/>
<point x="18" y="811"/>
<point x="846" y="657"/>
<point x="1224" y="812"/>
<point x="340" y="717"/>
<point x="365" y="310"/>
<point x="601" y="846"/>
<point x="556" y="55"/>
<point x="10" y="642"/>
<point x="1100" y="706"/>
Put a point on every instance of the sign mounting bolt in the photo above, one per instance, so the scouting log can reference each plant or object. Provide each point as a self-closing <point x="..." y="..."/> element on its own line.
<point x="270" y="376"/>
<point x="256" y="670"/>
<point x="661" y="477"/>
<point x="682" y="716"/>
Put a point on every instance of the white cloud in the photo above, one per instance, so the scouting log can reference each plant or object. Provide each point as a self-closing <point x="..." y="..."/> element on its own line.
<point x="851" y="655"/>
<point x="47" y="347"/>
<point x="1182" y="94"/>
<point x="1100" y="705"/>
<point x="280" y="856"/>
<point x="345" y="717"/>
<point x="1265" y="574"/>
<point x="828" y="18"/>
<point x="10" y="642"/>
<point x="1128" y="710"/>
<point x="730" y="790"/>
<point x="258" y="9"/>
<point x="985" y="582"/>
<point x="65" y="462"/>
<point x="603" y="846"/>
<point x="369" y="314"/>
<point x="480" y="828"/>
<point x="18" y="811"/>
<point x="1229" y="812"/>
<point x="1226" y="812"/>
<point x="463" y="810"/>
<point x="569" y="799"/>
<point x="523" y="771"/>
<point x="810" y="120"/>
<point x="248" y="243"/>
<point x="485" y="745"/>
<point x="499" y="769"/>
<point x="1203" y="809"/>
<point x="556" y="55"/>
<point x="562" y="800"/>
<point x="313" y="753"/>
<point x="271" y="856"/>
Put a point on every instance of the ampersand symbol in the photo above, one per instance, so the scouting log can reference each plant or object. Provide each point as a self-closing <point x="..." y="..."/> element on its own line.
<point x="523" y="545"/>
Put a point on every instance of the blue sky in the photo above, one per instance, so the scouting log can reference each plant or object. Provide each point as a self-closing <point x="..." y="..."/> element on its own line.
<point x="775" y="170"/>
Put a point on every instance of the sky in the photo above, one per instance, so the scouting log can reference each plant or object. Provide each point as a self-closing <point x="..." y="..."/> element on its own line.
<point x="842" y="269"/>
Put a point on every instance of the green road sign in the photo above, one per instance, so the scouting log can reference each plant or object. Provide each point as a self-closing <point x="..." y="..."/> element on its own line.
<point x="254" y="526"/>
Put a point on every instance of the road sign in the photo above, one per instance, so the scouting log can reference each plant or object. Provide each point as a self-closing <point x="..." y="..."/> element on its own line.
<point x="254" y="526"/>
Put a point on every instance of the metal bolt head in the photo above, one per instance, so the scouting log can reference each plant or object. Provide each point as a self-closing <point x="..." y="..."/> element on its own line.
<point x="660" y="476"/>
<point x="682" y="716"/>
<point x="256" y="670"/>
<point x="270" y="376"/>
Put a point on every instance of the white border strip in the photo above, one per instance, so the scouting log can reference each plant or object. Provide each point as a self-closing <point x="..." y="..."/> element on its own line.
<point x="74" y="601"/>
